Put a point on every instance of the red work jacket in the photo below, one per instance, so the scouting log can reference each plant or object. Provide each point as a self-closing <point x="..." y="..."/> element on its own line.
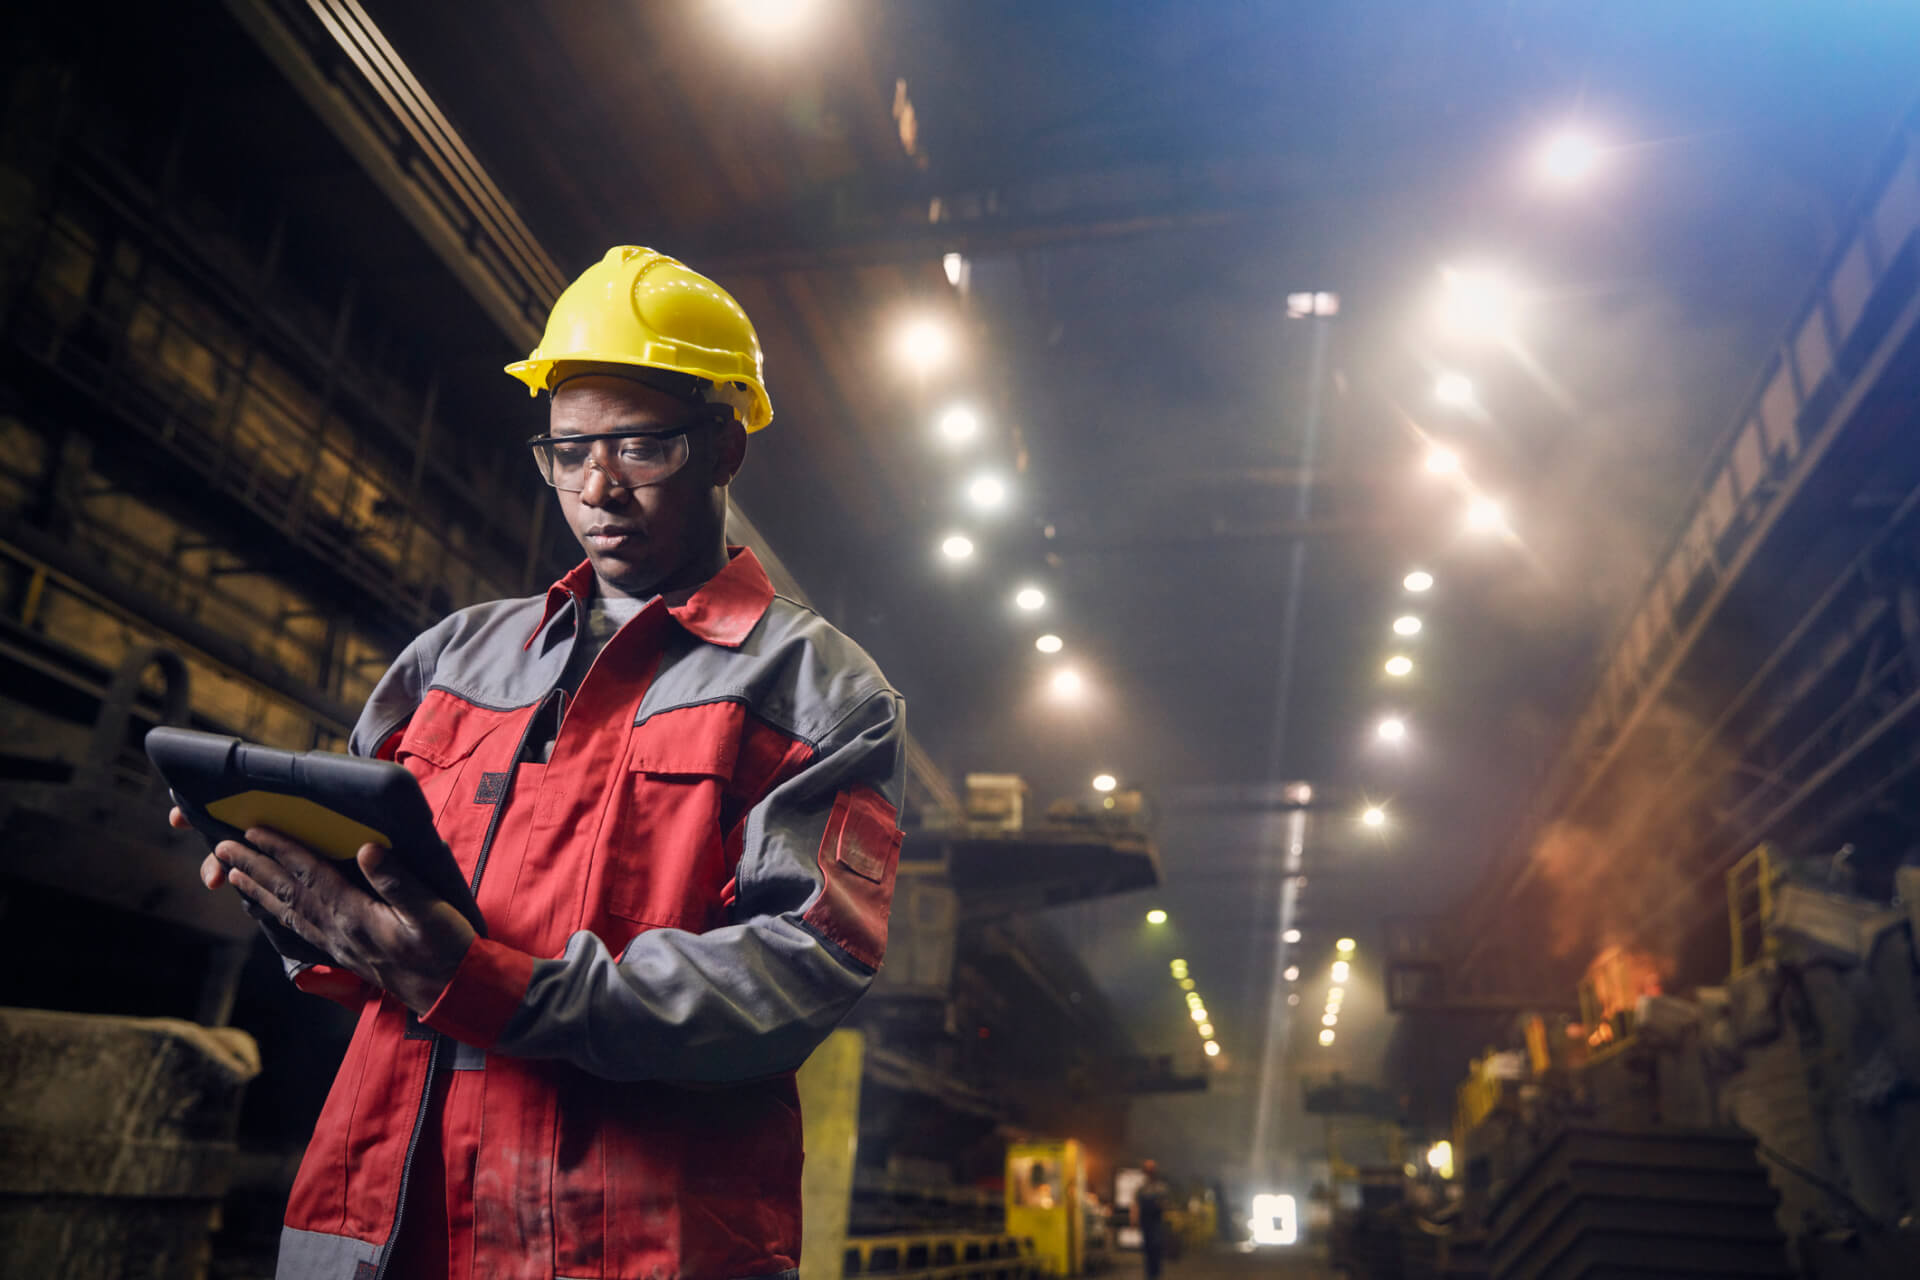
<point x="680" y="904"/>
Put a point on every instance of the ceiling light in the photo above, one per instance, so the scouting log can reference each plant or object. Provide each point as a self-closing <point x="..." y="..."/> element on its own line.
<point x="1417" y="581"/>
<point x="1292" y="973"/>
<point x="1330" y="1020"/>
<point x="1186" y="984"/>
<point x="1485" y="516"/>
<point x="1048" y="643"/>
<point x="1198" y="1015"/>
<point x="1179" y="968"/>
<point x="1406" y="625"/>
<point x="1066" y="684"/>
<point x="1399" y="665"/>
<point x="1454" y="390"/>
<point x="1326" y="1037"/>
<point x="769" y="21"/>
<point x="1293" y="999"/>
<point x="955" y="267"/>
<point x="1375" y="816"/>
<point x="1392" y="729"/>
<point x="1156" y="916"/>
<point x="1213" y="1050"/>
<point x="1291" y="935"/>
<point x="987" y="492"/>
<point x="1477" y="304"/>
<point x="1336" y="994"/>
<point x="1340" y="970"/>
<point x="1442" y="461"/>
<point x="1568" y="158"/>
<point x="958" y="424"/>
<point x="1029" y="598"/>
<point x="924" y="344"/>
<point x="1193" y="1000"/>
<point x="1107" y="782"/>
<point x="1206" y="1030"/>
<point x="957" y="546"/>
<point x="1344" y="946"/>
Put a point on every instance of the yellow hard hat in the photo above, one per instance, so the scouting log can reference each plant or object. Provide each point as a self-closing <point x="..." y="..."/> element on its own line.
<point x="642" y="308"/>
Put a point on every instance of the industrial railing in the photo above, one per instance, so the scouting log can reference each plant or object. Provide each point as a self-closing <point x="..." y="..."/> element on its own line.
<point x="942" y="1256"/>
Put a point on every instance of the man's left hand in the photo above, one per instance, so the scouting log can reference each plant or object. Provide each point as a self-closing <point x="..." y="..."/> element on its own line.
<point x="406" y="940"/>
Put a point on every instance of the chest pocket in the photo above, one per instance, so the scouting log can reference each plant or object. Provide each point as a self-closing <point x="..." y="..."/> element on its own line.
<point x="438" y="743"/>
<point x="663" y="849"/>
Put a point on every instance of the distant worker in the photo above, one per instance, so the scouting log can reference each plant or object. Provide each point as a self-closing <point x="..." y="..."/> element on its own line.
<point x="676" y="796"/>
<point x="1150" y="1217"/>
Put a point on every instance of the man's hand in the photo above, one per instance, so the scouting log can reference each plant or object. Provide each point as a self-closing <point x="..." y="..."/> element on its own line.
<point x="405" y="940"/>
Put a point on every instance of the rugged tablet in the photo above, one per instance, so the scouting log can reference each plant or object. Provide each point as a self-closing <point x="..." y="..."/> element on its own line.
<point x="329" y="802"/>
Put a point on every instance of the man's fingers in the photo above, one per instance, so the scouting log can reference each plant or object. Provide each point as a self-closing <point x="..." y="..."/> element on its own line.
<point x="391" y="879"/>
<point x="213" y="872"/>
<point x="177" y="819"/>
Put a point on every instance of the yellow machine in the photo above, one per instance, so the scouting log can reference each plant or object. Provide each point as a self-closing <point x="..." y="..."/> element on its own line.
<point x="1046" y="1189"/>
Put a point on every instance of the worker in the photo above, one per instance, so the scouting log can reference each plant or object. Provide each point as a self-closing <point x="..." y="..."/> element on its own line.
<point x="1150" y="1218"/>
<point x="676" y="794"/>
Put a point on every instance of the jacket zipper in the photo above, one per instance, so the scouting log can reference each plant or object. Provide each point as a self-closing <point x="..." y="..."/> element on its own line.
<point x="433" y="1054"/>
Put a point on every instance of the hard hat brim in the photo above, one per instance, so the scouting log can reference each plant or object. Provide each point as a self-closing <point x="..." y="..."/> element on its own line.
<point x="541" y="374"/>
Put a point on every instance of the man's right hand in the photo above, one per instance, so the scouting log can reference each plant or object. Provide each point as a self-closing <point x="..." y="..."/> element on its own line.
<point x="213" y="874"/>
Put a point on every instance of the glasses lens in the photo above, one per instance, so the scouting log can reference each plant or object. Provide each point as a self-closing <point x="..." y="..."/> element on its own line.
<point x="629" y="461"/>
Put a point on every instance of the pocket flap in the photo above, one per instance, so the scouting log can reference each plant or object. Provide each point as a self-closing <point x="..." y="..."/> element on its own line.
<point x="702" y="741"/>
<point x="444" y="730"/>
<point x="868" y="839"/>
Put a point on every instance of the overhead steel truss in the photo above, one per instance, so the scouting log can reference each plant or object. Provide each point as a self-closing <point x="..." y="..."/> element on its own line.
<point x="1771" y="669"/>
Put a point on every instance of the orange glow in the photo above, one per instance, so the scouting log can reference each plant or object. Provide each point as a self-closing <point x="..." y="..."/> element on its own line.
<point x="1620" y="977"/>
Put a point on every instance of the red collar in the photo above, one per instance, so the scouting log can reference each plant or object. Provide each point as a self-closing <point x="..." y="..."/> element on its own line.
<point x="723" y="610"/>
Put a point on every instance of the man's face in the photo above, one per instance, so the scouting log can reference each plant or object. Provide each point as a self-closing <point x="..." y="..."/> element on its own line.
<point x="655" y="537"/>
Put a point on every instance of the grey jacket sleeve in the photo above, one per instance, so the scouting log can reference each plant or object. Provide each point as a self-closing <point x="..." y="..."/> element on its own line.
<point x="752" y="997"/>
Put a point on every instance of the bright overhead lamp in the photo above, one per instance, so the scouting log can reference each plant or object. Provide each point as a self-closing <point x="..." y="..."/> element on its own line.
<point x="1198" y="1014"/>
<point x="1179" y="967"/>
<point x="924" y="344"/>
<point x="955" y="267"/>
<point x="1477" y="304"/>
<point x="1341" y="969"/>
<point x="1336" y="994"/>
<point x="1193" y="1000"/>
<point x="1107" y="782"/>
<point x="1326" y="1037"/>
<point x="1291" y="935"/>
<point x="1066" y="684"/>
<point x="987" y="492"/>
<point x="1374" y="816"/>
<point x="956" y="546"/>
<point x="1455" y="390"/>
<point x="957" y="425"/>
<point x="1156" y="916"/>
<point x="1399" y="665"/>
<point x="1406" y="625"/>
<point x="1029" y="598"/>
<point x="1186" y="984"/>
<point x="1392" y="729"/>
<point x="1206" y="1030"/>
<point x="1293" y="999"/>
<point x="1291" y="973"/>
<point x="1049" y="643"/>
<point x="770" y="21"/>
<point x="1213" y="1049"/>
<point x="1568" y="158"/>
<point x="1484" y="515"/>
<point x="1344" y="946"/>
<point x="1330" y="1020"/>
<point x="1417" y="581"/>
<point x="1442" y="461"/>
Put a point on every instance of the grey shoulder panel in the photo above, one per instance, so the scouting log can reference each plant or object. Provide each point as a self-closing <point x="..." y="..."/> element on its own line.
<point x="483" y="655"/>
<point x="795" y="670"/>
